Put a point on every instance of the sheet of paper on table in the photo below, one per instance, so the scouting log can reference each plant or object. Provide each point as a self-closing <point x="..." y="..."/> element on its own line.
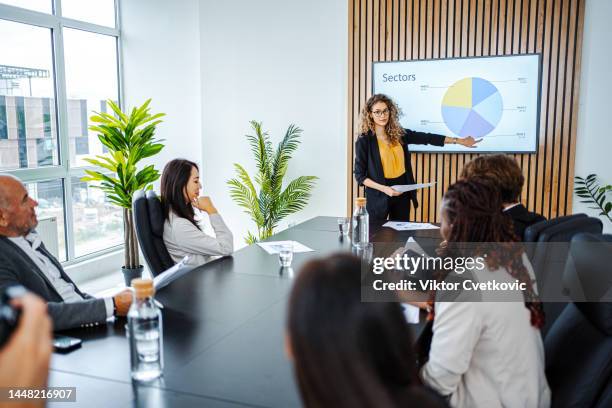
<point x="274" y="247"/>
<point x="171" y="274"/>
<point x="412" y="245"/>
<point x="408" y="226"/>
<point x="402" y="188"/>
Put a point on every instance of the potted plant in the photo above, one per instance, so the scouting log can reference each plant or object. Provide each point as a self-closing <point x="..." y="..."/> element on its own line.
<point x="594" y="194"/>
<point x="272" y="203"/>
<point x="129" y="138"/>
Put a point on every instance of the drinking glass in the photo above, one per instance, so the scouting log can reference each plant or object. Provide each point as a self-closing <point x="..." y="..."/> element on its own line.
<point x="285" y="255"/>
<point x="344" y="225"/>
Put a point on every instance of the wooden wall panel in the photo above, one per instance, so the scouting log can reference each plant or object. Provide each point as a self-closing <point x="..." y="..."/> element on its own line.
<point x="392" y="30"/>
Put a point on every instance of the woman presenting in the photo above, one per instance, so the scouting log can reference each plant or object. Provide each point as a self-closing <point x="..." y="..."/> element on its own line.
<point x="382" y="158"/>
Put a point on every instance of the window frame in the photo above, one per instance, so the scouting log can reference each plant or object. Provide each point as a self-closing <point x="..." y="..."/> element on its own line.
<point x="56" y="23"/>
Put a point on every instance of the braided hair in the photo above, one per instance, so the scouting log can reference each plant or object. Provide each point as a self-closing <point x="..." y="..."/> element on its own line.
<point x="473" y="208"/>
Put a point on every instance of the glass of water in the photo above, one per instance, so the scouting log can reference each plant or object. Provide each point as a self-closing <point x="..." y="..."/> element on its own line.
<point x="285" y="255"/>
<point x="344" y="225"/>
<point x="365" y="252"/>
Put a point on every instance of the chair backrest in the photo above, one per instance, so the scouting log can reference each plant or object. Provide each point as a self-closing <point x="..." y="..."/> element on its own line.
<point x="550" y="259"/>
<point x="579" y="344"/>
<point x="532" y="232"/>
<point x="149" y="224"/>
<point x="550" y="254"/>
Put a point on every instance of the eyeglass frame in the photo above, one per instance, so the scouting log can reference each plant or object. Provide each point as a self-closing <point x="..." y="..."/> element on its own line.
<point x="380" y="114"/>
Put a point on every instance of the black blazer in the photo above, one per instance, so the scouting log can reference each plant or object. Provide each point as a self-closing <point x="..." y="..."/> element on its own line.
<point x="522" y="218"/>
<point x="17" y="268"/>
<point x="369" y="165"/>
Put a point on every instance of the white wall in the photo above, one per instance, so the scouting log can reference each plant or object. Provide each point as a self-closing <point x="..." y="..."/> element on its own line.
<point x="594" y="142"/>
<point x="161" y="60"/>
<point x="280" y="62"/>
<point x="160" y="42"/>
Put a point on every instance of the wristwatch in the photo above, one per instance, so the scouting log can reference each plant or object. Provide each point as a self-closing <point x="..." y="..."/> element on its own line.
<point x="455" y="140"/>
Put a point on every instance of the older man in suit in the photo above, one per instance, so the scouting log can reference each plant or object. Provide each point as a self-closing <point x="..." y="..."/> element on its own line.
<point x="24" y="260"/>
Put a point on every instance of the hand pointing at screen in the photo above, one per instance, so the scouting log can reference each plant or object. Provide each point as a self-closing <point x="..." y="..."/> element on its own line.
<point x="466" y="141"/>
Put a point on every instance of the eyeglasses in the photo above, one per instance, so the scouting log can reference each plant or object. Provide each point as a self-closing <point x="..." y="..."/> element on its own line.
<point x="379" y="113"/>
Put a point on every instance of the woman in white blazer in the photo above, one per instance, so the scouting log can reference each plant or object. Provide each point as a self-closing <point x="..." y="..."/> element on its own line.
<point x="486" y="353"/>
<point x="183" y="235"/>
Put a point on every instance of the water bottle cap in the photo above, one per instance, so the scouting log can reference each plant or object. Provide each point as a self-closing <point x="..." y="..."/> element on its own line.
<point x="143" y="287"/>
<point x="360" y="201"/>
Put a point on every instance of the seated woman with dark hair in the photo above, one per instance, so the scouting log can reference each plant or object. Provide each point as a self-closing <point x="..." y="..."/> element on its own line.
<point x="349" y="353"/>
<point x="486" y="353"/>
<point x="507" y="175"/>
<point x="180" y="190"/>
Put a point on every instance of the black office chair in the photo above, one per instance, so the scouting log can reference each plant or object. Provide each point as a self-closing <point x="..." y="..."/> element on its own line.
<point x="532" y="233"/>
<point x="149" y="224"/>
<point x="579" y="344"/>
<point x="550" y="255"/>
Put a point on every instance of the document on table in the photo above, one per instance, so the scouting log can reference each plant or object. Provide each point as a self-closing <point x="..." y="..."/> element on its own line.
<point x="412" y="245"/>
<point x="172" y="274"/>
<point x="274" y="247"/>
<point x="411" y="313"/>
<point x="407" y="226"/>
<point x="402" y="188"/>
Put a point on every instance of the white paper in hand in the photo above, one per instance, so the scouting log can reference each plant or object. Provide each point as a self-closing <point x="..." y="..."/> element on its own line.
<point x="402" y="188"/>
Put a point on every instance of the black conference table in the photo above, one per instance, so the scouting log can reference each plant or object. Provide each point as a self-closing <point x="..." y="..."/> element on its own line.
<point x="223" y="332"/>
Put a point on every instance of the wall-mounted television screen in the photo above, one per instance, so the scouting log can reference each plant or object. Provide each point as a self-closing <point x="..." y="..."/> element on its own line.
<point x="493" y="98"/>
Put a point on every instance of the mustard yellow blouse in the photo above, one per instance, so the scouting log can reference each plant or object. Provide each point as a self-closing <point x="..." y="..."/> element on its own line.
<point x="392" y="158"/>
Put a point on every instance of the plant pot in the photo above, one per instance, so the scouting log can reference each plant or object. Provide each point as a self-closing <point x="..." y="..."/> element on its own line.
<point x="129" y="274"/>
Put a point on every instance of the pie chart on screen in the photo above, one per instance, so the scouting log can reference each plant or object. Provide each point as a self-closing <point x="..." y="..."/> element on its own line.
<point x="472" y="107"/>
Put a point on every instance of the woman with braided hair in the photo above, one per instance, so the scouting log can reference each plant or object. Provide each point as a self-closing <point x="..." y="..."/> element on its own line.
<point x="486" y="353"/>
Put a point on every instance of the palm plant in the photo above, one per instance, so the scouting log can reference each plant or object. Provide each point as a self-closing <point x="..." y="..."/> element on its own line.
<point x="271" y="204"/>
<point x="594" y="194"/>
<point x="129" y="139"/>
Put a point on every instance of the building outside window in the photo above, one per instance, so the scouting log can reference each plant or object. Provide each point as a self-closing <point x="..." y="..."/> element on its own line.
<point x="59" y="63"/>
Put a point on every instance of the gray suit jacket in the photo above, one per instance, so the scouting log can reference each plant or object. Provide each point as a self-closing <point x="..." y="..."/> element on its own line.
<point x="16" y="267"/>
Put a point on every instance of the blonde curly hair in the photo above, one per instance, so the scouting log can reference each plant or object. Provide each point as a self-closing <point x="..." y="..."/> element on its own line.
<point x="394" y="130"/>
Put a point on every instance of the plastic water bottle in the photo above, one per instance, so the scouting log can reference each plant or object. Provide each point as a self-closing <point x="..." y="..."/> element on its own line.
<point x="145" y="333"/>
<point x="360" y="224"/>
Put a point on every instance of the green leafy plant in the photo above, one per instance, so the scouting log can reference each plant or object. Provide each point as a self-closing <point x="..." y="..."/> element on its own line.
<point x="129" y="138"/>
<point x="595" y="194"/>
<point x="272" y="203"/>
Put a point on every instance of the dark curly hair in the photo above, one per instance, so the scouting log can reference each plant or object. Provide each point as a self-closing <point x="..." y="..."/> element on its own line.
<point x="473" y="208"/>
<point x="394" y="130"/>
<point x="503" y="170"/>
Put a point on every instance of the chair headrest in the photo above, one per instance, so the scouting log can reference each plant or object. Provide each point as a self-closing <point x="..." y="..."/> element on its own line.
<point x="565" y="231"/>
<point x="156" y="213"/>
<point x="588" y="278"/>
<point x="532" y="232"/>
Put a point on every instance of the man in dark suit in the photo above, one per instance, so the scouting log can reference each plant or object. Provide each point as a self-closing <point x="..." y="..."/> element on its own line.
<point x="507" y="175"/>
<point x="24" y="260"/>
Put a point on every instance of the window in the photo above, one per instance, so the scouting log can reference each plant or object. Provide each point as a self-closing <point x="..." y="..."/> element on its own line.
<point x="98" y="223"/>
<point x="100" y="12"/>
<point x="59" y="64"/>
<point x="27" y="104"/>
<point x="88" y="56"/>
<point x="50" y="197"/>
<point x="44" y="6"/>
